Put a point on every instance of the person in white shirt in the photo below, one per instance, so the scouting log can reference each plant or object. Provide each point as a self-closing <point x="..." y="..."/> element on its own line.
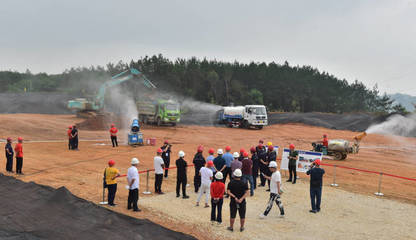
<point x="206" y="179"/>
<point x="159" y="167"/>
<point x="133" y="181"/>
<point x="275" y="190"/>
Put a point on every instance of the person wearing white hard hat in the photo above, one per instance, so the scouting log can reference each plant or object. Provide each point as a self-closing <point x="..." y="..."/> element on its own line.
<point x="133" y="180"/>
<point x="236" y="163"/>
<point x="217" y="198"/>
<point x="275" y="190"/>
<point x="181" y="178"/>
<point x="238" y="191"/>
<point x="219" y="162"/>
<point x="206" y="177"/>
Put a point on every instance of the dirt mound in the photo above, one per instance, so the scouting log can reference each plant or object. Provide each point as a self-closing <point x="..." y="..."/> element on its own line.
<point x="35" y="102"/>
<point x="354" y="122"/>
<point x="46" y="213"/>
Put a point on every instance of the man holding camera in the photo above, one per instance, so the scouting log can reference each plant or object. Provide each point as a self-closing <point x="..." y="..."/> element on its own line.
<point x="316" y="185"/>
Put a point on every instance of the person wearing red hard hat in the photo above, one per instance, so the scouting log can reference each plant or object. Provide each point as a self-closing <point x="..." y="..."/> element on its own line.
<point x="110" y="175"/>
<point x="211" y="156"/>
<point x="69" y="133"/>
<point x="167" y="149"/>
<point x="74" y="138"/>
<point x="256" y="165"/>
<point x="9" y="155"/>
<point x="228" y="157"/>
<point x="18" y="149"/>
<point x="159" y="166"/>
<point x="262" y="156"/>
<point x="206" y="175"/>
<point x="247" y="170"/>
<point x="113" y="135"/>
<point x="293" y="157"/>
<point x="315" y="190"/>
<point x="242" y="151"/>
<point x="199" y="162"/>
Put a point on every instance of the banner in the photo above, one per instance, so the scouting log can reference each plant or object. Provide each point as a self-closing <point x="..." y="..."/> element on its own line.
<point x="305" y="159"/>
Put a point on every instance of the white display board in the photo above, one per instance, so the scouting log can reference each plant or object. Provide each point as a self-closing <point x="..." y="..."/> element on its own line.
<point x="305" y="159"/>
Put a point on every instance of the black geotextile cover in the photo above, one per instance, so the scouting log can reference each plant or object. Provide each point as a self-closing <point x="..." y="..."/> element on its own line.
<point x="32" y="211"/>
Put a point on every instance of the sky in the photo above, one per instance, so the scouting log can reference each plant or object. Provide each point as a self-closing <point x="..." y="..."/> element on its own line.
<point x="373" y="41"/>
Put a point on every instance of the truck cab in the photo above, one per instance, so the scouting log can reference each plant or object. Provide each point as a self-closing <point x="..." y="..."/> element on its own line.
<point x="169" y="112"/>
<point x="255" y="115"/>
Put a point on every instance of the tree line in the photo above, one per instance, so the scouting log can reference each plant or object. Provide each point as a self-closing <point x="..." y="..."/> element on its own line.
<point x="281" y="87"/>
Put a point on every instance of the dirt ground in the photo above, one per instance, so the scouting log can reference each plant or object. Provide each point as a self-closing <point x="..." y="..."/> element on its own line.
<point x="47" y="160"/>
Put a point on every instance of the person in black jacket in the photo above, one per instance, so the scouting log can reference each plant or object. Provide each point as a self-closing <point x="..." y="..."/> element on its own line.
<point x="293" y="157"/>
<point x="74" y="137"/>
<point x="199" y="162"/>
<point x="9" y="155"/>
<point x="256" y="163"/>
<point x="166" y="156"/>
<point x="181" y="178"/>
<point x="316" y="185"/>
<point x="262" y="155"/>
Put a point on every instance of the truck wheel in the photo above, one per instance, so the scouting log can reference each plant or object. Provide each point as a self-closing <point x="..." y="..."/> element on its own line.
<point x="173" y="124"/>
<point x="338" y="155"/>
<point x="260" y="127"/>
<point x="344" y="156"/>
<point x="159" y="122"/>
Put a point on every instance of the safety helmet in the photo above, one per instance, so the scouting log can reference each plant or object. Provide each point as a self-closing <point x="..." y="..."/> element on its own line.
<point x="166" y="142"/>
<point x="261" y="141"/>
<point x="111" y="163"/>
<point x="220" y="151"/>
<point x="317" y="161"/>
<point x="237" y="173"/>
<point x="242" y="150"/>
<point x="210" y="163"/>
<point x="69" y="127"/>
<point x="9" y="139"/>
<point x="325" y="135"/>
<point x="271" y="148"/>
<point x="227" y="148"/>
<point x="273" y="164"/>
<point x="134" y="161"/>
<point x="181" y="154"/>
<point x="211" y="151"/>
<point x="19" y="139"/>
<point x="159" y="150"/>
<point x="245" y="154"/>
<point x="253" y="149"/>
<point x="219" y="176"/>
<point x="260" y="145"/>
<point x="269" y="143"/>
<point x="292" y="146"/>
<point x="200" y="149"/>
<point x="236" y="155"/>
<point x="113" y="125"/>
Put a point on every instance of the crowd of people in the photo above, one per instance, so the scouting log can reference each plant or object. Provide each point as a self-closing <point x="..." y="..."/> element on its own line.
<point x="242" y="168"/>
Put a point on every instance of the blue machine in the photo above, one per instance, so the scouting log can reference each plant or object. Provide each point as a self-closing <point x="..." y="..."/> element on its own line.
<point x="135" y="137"/>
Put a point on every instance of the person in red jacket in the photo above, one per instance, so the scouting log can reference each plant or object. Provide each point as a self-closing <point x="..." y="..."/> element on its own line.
<point x="113" y="134"/>
<point x="69" y="133"/>
<point x="19" y="155"/>
<point x="217" y="198"/>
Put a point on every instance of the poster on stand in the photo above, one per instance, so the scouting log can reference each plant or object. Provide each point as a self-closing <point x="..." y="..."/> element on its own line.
<point x="304" y="161"/>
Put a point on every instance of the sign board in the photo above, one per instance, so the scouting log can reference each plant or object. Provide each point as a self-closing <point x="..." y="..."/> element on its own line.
<point x="305" y="159"/>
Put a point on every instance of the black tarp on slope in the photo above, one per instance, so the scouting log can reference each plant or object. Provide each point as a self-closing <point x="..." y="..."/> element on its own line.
<point x="31" y="211"/>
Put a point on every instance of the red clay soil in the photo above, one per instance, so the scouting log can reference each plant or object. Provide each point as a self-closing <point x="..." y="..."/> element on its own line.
<point x="47" y="160"/>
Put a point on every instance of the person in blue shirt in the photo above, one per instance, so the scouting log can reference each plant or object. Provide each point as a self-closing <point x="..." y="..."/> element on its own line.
<point x="316" y="174"/>
<point x="219" y="162"/>
<point x="9" y="155"/>
<point x="228" y="157"/>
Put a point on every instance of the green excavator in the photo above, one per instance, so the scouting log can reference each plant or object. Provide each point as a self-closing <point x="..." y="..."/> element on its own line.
<point x="91" y="107"/>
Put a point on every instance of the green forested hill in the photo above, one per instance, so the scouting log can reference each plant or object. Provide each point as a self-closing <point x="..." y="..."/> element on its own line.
<point x="279" y="86"/>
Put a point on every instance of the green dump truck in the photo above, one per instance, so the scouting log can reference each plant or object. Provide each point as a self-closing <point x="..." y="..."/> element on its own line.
<point x="159" y="112"/>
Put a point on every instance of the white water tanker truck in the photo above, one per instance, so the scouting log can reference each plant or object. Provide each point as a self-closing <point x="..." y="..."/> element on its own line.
<point x="244" y="116"/>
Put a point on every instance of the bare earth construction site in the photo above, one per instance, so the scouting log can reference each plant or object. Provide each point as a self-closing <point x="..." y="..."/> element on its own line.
<point x="350" y="211"/>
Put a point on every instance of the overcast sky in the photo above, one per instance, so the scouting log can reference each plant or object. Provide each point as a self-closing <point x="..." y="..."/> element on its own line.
<point x="372" y="41"/>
